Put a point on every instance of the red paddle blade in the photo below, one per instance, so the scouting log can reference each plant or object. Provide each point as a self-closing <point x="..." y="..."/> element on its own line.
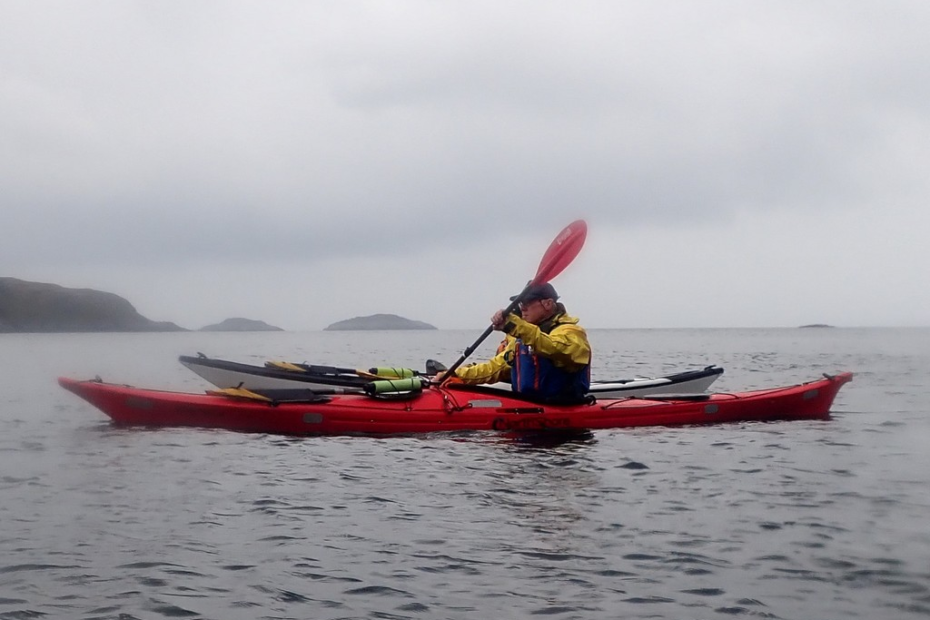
<point x="561" y="252"/>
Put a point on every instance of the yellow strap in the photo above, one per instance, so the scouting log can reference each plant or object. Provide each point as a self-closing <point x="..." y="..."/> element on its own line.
<point x="286" y="366"/>
<point x="239" y="393"/>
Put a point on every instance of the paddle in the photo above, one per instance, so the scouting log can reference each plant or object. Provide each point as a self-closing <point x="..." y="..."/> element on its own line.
<point x="371" y="373"/>
<point x="277" y="396"/>
<point x="309" y="369"/>
<point x="562" y="251"/>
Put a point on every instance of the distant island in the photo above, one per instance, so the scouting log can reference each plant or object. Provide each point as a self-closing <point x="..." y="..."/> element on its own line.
<point x="377" y="321"/>
<point x="815" y="325"/>
<point x="237" y="324"/>
<point x="37" y="307"/>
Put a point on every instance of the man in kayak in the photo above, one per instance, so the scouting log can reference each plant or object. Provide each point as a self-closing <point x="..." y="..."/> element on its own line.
<point x="546" y="355"/>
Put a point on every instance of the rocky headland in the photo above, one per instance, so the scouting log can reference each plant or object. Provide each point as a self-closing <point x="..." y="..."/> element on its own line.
<point x="37" y="307"/>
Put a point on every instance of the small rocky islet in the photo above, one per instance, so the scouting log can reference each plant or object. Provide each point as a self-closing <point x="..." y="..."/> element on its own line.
<point x="238" y="324"/>
<point x="377" y="322"/>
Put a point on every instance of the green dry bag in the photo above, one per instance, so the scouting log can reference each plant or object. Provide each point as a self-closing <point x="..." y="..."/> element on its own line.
<point x="387" y="386"/>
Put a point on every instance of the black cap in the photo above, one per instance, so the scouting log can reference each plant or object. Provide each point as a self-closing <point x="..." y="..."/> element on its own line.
<point x="538" y="291"/>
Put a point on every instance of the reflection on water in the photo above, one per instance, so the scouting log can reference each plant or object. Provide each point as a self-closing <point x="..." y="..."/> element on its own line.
<point x="547" y="440"/>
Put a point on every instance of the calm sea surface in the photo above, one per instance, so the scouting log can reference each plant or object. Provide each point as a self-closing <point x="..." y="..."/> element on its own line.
<point x="795" y="520"/>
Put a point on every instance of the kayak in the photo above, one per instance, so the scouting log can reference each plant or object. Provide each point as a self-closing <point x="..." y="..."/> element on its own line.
<point x="227" y="374"/>
<point x="452" y="407"/>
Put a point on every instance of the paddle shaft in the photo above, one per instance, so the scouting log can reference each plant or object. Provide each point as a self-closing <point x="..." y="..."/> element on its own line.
<point x="312" y="369"/>
<point x="487" y="332"/>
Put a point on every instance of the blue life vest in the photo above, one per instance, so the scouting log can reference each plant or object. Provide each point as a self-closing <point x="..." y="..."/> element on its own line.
<point x="535" y="375"/>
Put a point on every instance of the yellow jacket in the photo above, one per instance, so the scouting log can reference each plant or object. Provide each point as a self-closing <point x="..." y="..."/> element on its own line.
<point x="565" y="344"/>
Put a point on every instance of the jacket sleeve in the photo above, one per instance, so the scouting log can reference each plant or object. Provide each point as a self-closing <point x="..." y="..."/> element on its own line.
<point x="566" y="345"/>
<point x="495" y="369"/>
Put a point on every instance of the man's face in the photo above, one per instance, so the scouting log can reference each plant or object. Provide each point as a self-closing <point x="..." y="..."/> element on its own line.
<point x="537" y="311"/>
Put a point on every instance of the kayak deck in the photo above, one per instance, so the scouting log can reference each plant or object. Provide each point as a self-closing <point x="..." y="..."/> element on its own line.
<point x="455" y="409"/>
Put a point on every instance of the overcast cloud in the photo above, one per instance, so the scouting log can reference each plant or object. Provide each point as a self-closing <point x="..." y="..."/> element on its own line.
<point x="739" y="163"/>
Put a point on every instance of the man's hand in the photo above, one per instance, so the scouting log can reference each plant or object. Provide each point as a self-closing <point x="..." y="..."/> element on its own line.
<point x="498" y="321"/>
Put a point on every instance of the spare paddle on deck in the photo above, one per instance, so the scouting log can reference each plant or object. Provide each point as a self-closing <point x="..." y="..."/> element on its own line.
<point x="562" y="251"/>
<point x="372" y="373"/>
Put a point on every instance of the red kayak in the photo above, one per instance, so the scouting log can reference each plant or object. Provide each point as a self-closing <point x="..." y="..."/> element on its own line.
<point x="450" y="408"/>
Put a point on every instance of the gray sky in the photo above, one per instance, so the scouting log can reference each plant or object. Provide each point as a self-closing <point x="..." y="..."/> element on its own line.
<point x="739" y="163"/>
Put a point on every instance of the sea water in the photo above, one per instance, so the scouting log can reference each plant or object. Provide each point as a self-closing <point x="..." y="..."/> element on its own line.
<point x="793" y="520"/>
